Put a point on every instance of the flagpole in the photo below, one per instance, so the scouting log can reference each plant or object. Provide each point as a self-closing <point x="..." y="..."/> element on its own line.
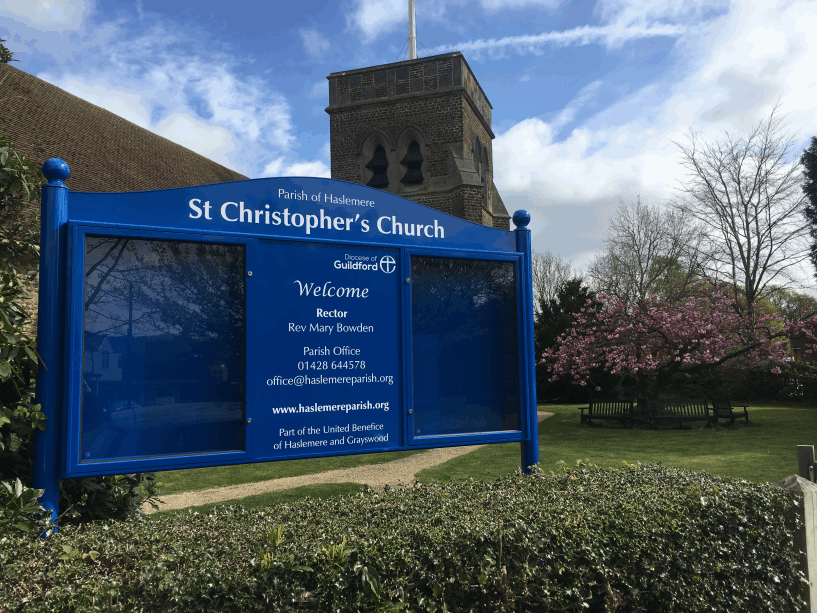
<point x="412" y="33"/>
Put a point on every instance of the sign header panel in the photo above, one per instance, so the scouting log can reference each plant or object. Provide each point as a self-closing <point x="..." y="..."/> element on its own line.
<point x="303" y="208"/>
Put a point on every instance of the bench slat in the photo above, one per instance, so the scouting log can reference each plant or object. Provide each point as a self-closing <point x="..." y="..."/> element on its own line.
<point x="723" y="409"/>
<point x="693" y="409"/>
<point x="608" y="409"/>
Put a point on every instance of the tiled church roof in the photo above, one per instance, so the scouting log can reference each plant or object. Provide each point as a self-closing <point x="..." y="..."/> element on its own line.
<point x="104" y="152"/>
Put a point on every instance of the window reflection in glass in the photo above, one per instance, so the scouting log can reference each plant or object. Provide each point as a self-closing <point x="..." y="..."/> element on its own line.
<point x="465" y="360"/>
<point x="163" y="348"/>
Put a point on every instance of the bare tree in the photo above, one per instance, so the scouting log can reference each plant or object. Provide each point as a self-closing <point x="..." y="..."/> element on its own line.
<point x="647" y="249"/>
<point x="746" y="192"/>
<point x="550" y="272"/>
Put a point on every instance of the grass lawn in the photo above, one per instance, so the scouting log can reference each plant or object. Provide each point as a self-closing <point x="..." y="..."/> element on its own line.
<point x="763" y="451"/>
<point x="191" y="479"/>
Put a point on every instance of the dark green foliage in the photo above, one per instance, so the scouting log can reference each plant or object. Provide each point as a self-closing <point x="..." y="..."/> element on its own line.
<point x="809" y="161"/>
<point x="646" y="539"/>
<point x="20" y="509"/>
<point x="19" y="220"/>
<point x="6" y="56"/>
<point x="20" y="417"/>
<point x="555" y="317"/>
<point x="749" y="382"/>
<point x="114" y="497"/>
<point x="109" y="497"/>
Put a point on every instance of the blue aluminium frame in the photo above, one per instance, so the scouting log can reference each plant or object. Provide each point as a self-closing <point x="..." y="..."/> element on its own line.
<point x="335" y="218"/>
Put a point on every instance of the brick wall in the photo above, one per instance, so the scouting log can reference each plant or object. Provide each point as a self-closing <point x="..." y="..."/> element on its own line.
<point x="438" y="118"/>
<point x="441" y="101"/>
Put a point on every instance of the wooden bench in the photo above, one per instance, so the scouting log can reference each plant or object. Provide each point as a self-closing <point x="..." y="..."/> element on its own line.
<point x="723" y="409"/>
<point x="616" y="410"/>
<point x="693" y="409"/>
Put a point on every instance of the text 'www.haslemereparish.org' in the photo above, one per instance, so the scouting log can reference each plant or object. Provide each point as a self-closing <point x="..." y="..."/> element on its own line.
<point x="332" y="408"/>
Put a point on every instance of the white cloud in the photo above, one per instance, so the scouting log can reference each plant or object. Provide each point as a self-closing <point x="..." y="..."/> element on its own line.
<point x="629" y="12"/>
<point x="376" y="17"/>
<point x="211" y="141"/>
<point x="737" y="66"/>
<point x="320" y="90"/>
<point x="611" y="36"/>
<point x="126" y="104"/>
<point x="49" y="15"/>
<point x="208" y="104"/>
<point x="314" y="42"/>
<point x="289" y="166"/>
<point x="298" y="168"/>
<point x="501" y="5"/>
<point x="621" y="21"/>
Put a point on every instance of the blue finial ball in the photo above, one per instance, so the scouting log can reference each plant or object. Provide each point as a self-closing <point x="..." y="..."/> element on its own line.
<point x="56" y="169"/>
<point x="521" y="218"/>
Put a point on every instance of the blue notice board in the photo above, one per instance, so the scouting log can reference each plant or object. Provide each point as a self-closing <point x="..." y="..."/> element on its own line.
<point x="274" y="319"/>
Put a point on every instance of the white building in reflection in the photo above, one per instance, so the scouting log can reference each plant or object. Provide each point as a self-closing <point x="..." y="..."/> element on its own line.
<point x="104" y="364"/>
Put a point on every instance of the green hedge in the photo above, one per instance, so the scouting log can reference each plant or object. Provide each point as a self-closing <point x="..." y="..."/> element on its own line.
<point x="647" y="539"/>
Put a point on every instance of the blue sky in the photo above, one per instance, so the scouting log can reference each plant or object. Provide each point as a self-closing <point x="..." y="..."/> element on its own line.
<point x="587" y="96"/>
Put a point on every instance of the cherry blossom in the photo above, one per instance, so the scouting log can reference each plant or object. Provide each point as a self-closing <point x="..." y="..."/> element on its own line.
<point x="654" y="339"/>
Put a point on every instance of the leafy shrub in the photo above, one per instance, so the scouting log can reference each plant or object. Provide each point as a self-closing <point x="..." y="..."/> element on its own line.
<point x="117" y="497"/>
<point x="114" y="497"/>
<point x="749" y="383"/>
<point x="646" y="539"/>
<point x="20" y="509"/>
<point x="20" y="417"/>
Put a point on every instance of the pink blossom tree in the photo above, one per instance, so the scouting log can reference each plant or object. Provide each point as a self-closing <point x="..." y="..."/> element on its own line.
<point x="655" y="339"/>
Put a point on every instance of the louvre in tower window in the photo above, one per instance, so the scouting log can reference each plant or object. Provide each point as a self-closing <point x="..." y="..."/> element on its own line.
<point x="379" y="165"/>
<point x="413" y="161"/>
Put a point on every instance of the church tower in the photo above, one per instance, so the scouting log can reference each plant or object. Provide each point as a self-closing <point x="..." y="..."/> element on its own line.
<point x="420" y="129"/>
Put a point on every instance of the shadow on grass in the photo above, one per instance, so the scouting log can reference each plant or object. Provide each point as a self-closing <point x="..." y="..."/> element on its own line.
<point x="192" y="479"/>
<point x="322" y="490"/>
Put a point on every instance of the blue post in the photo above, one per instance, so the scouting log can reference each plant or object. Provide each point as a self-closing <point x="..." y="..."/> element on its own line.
<point x="530" y="447"/>
<point x="51" y="331"/>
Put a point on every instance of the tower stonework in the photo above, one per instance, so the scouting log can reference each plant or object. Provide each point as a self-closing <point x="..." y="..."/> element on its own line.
<point x="420" y="129"/>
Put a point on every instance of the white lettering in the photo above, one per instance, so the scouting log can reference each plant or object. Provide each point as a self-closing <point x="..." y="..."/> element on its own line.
<point x="224" y="211"/>
<point x="304" y="288"/>
<point x="196" y="209"/>
<point x="241" y="212"/>
<point x="334" y="313"/>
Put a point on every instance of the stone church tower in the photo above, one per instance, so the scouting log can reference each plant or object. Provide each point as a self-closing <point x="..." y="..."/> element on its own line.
<point x="420" y="129"/>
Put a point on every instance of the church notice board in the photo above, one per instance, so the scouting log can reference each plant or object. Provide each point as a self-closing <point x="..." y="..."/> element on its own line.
<point x="275" y="319"/>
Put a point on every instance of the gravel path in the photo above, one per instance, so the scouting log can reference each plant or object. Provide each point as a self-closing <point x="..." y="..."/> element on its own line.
<point x="374" y="475"/>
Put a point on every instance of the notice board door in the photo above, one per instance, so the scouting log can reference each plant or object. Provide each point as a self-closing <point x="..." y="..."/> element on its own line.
<point x="464" y="348"/>
<point x="324" y="354"/>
